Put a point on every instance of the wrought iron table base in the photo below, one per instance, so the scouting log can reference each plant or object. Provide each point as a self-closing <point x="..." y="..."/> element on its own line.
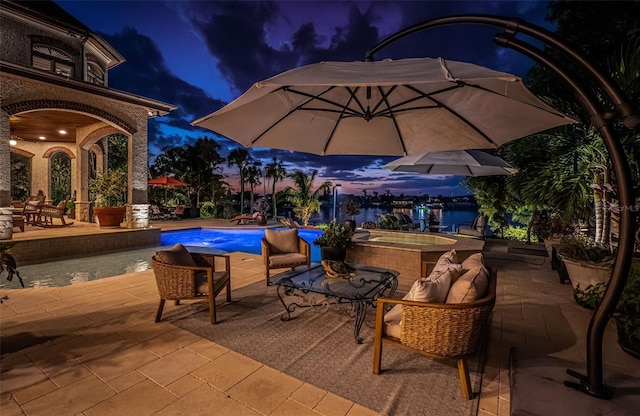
<point x="358" y="306"/>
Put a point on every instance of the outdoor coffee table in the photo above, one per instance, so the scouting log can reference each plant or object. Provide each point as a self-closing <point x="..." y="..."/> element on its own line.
<point x="295" y="289"/>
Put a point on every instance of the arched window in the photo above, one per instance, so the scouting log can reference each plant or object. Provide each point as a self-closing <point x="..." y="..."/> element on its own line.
<point x="51" y="59"/>
<point x="95" y="74"/>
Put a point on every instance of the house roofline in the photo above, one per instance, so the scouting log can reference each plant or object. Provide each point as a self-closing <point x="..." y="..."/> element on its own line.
<point x="15" y="70"/>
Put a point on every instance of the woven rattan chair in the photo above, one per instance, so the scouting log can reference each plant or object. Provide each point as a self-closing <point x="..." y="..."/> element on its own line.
<point x="284" y="249"/>
<point x="185" y="282"/>
<point x="439" y="330"/>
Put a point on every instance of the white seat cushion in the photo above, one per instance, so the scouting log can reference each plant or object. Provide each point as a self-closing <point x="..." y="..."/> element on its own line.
<point x="285" y="259"/>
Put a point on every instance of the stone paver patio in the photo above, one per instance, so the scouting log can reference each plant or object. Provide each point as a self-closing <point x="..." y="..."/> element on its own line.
<point x="93" y="348"/>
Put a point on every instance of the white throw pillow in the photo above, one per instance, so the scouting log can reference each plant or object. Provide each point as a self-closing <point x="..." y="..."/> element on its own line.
<point x="447" y="261"/>
<point x="474" y="260"/>
<point x="433" y="289"/>
<point x="471" y="286"/>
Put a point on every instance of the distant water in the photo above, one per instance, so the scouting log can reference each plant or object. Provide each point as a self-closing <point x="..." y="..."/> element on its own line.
<point x="451" y="218"/>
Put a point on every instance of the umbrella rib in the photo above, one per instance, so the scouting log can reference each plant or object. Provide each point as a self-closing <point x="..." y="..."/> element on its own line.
<point x="335" y="126"/>
<point x="324" y="100"/>
<point x="288" y="89"/>
<point x="395" y="123"/>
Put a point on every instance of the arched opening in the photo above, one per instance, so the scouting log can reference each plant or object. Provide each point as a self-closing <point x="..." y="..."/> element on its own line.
<point x="60" y="176"/>
<point x="20" y="176"/>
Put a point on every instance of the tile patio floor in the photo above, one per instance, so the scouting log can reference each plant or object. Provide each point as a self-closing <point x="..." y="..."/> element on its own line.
<point x="94" y="349"/>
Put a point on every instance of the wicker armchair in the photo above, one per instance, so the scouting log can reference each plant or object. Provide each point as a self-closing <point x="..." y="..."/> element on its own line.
<point x="176" y="282"/>
<point x="284" y="249"/>
<point x="439" y="330"/>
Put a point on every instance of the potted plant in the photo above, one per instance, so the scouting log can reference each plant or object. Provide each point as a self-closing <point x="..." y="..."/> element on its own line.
<point x="8" y="263"/>
<point x="352" y="208"/>
<point x="109" y="190"/>
<point x="627" y="314"/>
<point x="587" y="262"/>
<point x="334" y="241"/>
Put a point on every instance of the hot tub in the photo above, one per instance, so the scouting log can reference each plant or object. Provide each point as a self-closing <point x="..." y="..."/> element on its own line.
<point x="407" y="252"/>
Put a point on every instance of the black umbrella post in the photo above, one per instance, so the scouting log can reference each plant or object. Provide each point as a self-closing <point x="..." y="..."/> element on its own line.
<point x="601" y="119"/>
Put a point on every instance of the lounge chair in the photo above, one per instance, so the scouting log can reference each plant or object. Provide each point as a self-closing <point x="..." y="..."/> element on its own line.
<point x="50" y="212"/>
<point x="245" y="218"/>
<point x="291" y="223"/>
<point x="476" y="229"/>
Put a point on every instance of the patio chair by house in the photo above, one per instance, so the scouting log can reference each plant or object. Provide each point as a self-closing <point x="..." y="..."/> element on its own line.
<point x="284" y="249"/>
<point x="178" y="213"/>
<point x="50" y="212"/>
<point x="156" y="214"/>
<point x="183" y="275"/>
<point x="437" y="330"/>
<point x="31" y="209"/>
<point x="476" y="229"/>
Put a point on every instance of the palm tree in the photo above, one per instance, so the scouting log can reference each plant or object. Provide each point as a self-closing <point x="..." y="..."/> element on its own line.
<point x="252" y="174"/>
<point x="276" y="171"/>
<point x="304" y="200"/>
<point x="240" y="158"/>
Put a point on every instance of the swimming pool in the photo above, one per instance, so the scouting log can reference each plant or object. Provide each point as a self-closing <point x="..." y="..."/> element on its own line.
<point x="230" y="240"/>
<point x="82" y="269"/>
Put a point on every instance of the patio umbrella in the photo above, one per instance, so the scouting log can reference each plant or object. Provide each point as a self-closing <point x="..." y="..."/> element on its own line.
<point x="166" y="182"/>
<point x="389" y="107"/>
<point x="454" y="162"/>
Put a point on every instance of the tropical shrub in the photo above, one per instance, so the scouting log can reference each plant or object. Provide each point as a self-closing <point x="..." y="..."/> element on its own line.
<point x="581" y="248"/>
<point x="207" y="210"/>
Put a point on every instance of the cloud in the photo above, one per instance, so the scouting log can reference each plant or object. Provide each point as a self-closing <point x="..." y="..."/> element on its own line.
<point x="146" y="73"/>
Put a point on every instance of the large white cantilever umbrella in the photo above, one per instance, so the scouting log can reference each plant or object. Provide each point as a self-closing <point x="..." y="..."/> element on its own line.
<point x="391" y="107"/>
<point x="453" y="162"/>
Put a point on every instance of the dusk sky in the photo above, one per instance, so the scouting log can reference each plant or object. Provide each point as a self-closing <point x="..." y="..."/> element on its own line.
<point x="200" y="55"/>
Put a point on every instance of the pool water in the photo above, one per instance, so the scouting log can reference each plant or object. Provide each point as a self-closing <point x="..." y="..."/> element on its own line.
<point x="230" y="240"/>
<point x="71" y="271"/>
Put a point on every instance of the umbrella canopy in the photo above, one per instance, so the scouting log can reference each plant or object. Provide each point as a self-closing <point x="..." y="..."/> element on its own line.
<point x="166" y="181"/>
<point x="454" y="162"/>
<point x="400" y="107"/>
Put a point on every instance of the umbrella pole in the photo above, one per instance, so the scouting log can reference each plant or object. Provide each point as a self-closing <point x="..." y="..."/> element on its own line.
<point x="591" y="384"/>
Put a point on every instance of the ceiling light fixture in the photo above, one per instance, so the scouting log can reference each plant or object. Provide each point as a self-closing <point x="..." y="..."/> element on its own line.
<point x="42" y="138"/>
<point x="62" y="131"/>
<point x="13" y="142"/>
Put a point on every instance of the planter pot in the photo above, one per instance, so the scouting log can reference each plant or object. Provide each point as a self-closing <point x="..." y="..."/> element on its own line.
<point x="584" y="274"/>
<point x="629" y="345"/>
<point x="350" y="225"/>
<point x="549" y="243"/>
<point x="109" y="216"/>
<point x="333" y="253"/>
